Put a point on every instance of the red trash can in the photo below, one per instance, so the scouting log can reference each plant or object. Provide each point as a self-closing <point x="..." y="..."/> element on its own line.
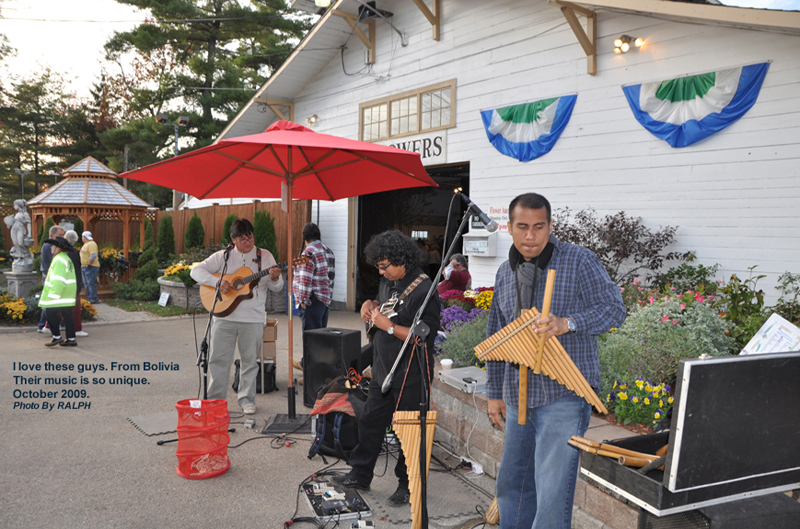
<point x="202" y="438"/>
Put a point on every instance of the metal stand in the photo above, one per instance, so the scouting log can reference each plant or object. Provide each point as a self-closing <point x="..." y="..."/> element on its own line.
<point x="202" y="359"/>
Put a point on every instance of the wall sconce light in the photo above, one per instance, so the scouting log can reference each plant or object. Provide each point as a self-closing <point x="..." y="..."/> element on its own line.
<point x="311" y="120"/>
<point x="623" y="43"/>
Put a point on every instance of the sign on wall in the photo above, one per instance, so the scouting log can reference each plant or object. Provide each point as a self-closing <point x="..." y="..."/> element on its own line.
<point x="432" y="146"/>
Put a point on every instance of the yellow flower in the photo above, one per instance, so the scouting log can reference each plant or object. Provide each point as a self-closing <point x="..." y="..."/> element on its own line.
<point x="661" y="403"/>
<point x="635" y="399"/>
<point x="648" y="388"/>
<point x="657" y="415"/>
<point x="639" y="384"/>
<point x="623" y="386"/>
<point x="670" y="400"/>
<point x="646" y="400"/>
<point x="622" y="396"/>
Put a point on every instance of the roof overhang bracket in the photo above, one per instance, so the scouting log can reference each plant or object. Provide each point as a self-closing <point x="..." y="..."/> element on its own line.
<point x="273" y="105"/>
<point x="432" y="16"/>
<point x="369" y="41"/>
<point x="587" y="38"/>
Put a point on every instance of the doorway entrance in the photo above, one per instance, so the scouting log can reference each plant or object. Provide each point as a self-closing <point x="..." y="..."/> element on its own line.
<point x="421" y="213"/>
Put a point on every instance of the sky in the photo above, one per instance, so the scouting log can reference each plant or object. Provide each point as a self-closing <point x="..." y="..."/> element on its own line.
<point x="69" y="36"/>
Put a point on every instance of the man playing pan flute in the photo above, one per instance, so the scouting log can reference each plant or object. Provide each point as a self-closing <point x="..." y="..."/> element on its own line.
<point x="536" y="480"/>
<point x="245" y="325"/>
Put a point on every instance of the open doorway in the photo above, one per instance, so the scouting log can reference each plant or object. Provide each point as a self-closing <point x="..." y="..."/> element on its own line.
<point x="421" y="213"/>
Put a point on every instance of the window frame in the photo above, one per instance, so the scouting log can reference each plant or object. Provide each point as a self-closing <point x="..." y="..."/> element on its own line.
<point x="451" y="84"/>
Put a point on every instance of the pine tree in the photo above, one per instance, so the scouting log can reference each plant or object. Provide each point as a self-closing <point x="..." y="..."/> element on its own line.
<point x="166" y="240"/>
<point x="78" y="227"/>
<point x="148" y="235"/>
<point x="264" y="232"/>
<point x="195" y="234"/>
<point x="226" y="228"/>
<point x="45" y="233"/>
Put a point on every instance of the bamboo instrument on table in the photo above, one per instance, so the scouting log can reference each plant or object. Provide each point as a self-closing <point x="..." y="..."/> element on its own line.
<point x="406" y="426"/>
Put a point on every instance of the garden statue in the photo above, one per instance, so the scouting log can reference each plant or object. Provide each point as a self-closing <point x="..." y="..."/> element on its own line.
<point x="21" y="236"/>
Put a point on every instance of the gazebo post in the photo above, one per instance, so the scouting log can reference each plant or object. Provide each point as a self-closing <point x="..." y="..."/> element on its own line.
<point x="126" y="232"/>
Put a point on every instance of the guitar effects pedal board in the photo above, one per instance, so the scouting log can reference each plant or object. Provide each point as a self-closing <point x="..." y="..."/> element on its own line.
<point x="332" y="502"/>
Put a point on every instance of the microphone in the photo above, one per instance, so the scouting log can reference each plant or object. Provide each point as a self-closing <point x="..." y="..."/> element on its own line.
<point x="230" y="247"/>
<point x="489" y="224"/>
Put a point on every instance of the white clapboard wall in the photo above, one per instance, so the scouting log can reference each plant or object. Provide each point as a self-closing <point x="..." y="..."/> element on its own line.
<point x="734" y="196"/>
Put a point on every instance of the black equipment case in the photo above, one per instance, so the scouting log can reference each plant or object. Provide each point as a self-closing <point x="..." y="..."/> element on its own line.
<point x="734" y="434"/>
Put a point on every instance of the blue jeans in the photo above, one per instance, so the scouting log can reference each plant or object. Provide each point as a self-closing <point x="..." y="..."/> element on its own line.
<point x="538" y="453"/>
<point x="315" y="316"/>
<point x="90" y="281"/>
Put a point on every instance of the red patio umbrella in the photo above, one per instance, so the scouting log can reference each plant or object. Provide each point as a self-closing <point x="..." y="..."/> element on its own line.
<point x="311" y="166"/>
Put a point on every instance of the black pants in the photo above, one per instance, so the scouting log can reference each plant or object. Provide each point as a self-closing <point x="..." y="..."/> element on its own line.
<point x="372" y="426"/>
<point x="66" y="318"/>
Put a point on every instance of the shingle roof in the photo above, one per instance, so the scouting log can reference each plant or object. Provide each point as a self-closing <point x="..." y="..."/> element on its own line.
<point x="89" y="166"/>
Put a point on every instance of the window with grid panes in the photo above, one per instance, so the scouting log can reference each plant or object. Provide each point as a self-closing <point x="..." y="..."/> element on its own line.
<point x="428" y="108"/>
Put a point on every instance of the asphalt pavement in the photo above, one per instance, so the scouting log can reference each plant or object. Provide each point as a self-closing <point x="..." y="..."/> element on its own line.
<point x="82" y="463"/>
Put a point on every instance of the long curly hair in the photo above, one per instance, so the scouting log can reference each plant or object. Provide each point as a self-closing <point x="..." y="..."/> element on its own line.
<point x="395" y="246"/>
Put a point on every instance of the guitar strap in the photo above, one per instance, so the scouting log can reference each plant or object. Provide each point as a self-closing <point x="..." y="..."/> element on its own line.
<point x="258" y="263"/>
<point x="413" y="285"/>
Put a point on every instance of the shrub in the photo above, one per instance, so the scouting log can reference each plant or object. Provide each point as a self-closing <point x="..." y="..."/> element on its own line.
<point x="226" y="229"/>
<point x="264" y="232"/>
<point x="689" y="277"/>
<point x="180" y="273"/>
<point x="147" y="271"/>
<point x="146" y="256"/>
<point x="166" y="240"/>
<point x="88" y="311"/>
<point x="453" y="316"/>
<point x="624" y="245"/>
<point x="148" y="235"/>
<point x="456" y="298"/>
<point x="635" y="295"/>
<point x="195" y="234"/>
<point x="742" y="307"/>
<point x="141" y="290"/>
<point x="462" y="338"/>
<point x="78" y="227"/>
<point x="655" y="337"/>
<point x="13" y="309"/>
<point x="639" y="402"/>
<point x="788" y="304"/>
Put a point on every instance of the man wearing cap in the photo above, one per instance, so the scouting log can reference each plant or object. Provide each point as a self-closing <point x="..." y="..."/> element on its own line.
<point x="90" y="266"/>
<point x="60" y="289"/>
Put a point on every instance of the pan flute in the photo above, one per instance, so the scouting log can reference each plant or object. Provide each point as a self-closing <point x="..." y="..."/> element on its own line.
<point x="407" y="428"/>
<point x="517" y="343"/>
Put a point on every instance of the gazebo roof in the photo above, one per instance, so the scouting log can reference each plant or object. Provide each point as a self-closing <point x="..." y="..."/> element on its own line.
<point x="89" y="182"/>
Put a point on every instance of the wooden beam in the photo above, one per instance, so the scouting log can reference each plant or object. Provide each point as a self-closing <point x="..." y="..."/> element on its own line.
<point x="769" y="19"/>
<point x="586" y="39"/>
<point x="352" y="21"/>
<point x="273" y="104"/>
<point x="432" y="16"/>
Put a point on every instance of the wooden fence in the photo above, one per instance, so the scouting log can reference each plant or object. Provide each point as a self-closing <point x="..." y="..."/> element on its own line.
<point x="213" y="219"/>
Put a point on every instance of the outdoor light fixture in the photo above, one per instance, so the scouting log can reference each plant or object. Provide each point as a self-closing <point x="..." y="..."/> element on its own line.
<point x="183" y="121"/>
<point x="623" y="43"/>
<point x="322" y="3"/>
<point x="162" y="118"/>
<point x="311" y="120"/>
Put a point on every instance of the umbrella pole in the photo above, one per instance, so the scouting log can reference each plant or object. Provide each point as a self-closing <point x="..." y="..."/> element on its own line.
<point x="290" y="363"/>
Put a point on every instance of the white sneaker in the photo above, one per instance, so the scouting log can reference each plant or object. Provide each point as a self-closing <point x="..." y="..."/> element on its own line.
<point x="250" y="409"/>
<point x="81" y="333"/>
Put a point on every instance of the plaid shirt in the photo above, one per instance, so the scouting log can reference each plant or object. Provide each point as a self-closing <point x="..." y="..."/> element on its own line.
<point x="584" y="292"/>
<point x="312" y="278"/>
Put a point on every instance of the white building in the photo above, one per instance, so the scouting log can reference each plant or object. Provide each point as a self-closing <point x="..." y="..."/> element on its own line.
<point x="733" y="195"/>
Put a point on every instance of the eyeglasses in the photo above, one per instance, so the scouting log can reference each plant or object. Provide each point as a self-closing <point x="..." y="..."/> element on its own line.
<point x="383" y="267"/>
<point x="244" y="237"/>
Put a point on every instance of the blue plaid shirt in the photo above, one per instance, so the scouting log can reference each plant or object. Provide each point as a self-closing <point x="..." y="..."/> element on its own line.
<point x="584" y="292"/>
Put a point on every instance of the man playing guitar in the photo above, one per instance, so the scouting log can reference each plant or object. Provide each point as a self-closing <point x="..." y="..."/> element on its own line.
<point x="245" y="324"/>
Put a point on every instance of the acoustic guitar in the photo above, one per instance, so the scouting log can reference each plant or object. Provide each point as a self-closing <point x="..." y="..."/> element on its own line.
<point x="243" y="281"/>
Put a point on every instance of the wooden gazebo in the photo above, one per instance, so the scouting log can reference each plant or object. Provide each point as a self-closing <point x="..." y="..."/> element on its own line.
<point x="90" y="192"/>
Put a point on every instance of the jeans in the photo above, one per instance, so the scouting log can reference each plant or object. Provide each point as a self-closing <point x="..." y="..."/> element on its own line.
<point x="43" y="318"/>
<point x="315" y="316"/>
<point x="538" y="453"/>
<point x="90" y="281"/>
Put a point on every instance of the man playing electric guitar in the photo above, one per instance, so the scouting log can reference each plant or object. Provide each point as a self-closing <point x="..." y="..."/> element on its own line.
<point x="245" y="325"/>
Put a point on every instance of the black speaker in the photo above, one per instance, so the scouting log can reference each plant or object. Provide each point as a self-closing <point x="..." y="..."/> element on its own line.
<point x="327" y="354"/>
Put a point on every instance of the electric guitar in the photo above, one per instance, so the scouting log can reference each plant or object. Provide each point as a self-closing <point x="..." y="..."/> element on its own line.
<point x="243" y="281"/>
<point x="387" y="309"/>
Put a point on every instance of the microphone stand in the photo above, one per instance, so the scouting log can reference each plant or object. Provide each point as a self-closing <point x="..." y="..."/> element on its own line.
<point x="418" y="328"/>
<point x="202" y="359"/>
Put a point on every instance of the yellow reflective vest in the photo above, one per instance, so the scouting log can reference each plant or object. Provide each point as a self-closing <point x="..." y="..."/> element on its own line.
<point x="60" y="286"/>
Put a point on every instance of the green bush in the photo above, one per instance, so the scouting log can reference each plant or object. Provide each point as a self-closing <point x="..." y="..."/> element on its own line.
<point x="655" y="337"/>
<point x="264" y="232"/>
<point x="140" y="290"/>
<point x="463" y="338"/>
<point x="226" y="229"/>
<point x="166" y="241"/>
<point x="148" y="235"/>
<point x="788" y="304"/>
<point x="146" y="256"/>
<point x="195" y="234"/>
<point x="685" y="277"/>
<point x="742" y="307"/>
<point x="78" y="227"/>
<point x="45" y="232"/>
<point x="196" y="255"/>
<point x="147" y="271"/>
